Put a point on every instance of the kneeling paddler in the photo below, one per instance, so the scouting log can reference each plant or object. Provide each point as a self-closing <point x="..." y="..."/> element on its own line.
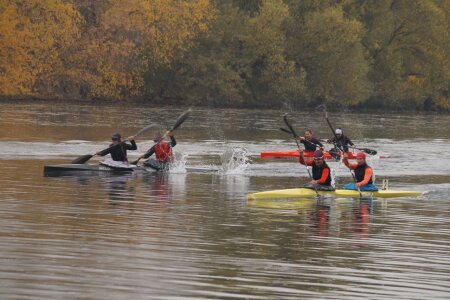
<point x="363" y="174"/>
<point x="321" y="173"/>
<point x="162" y="150"/>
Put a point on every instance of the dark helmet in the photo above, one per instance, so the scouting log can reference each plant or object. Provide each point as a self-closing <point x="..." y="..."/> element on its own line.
<point x="158" y="137"/>
<point x="116" y="136"/>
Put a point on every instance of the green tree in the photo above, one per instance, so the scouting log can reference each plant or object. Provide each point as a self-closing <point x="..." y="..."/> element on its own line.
<point x="328" y="45"/>
<point x="407" y="45"/>
<point x="241" y="62"/>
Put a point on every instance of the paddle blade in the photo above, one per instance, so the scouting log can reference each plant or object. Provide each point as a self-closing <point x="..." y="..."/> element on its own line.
<point x="286" y="121"/>
<point x="369" y="151"/>
<point x="285" y="130"/>
<point x="82" y="159"/>
<point x="180" y="120"/>
<point x="135" y="162"/>
<point x="147" y="128"/>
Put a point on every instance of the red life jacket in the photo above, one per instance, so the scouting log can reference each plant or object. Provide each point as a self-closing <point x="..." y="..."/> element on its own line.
<point x="163" y="151"/>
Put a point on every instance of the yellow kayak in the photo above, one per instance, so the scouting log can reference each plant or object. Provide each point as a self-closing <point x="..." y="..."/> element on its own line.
<point x="310" y="193"/>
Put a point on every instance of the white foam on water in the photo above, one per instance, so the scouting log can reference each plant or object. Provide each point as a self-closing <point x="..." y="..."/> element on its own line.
<point x="178" y="165"/>
<point x="235" y="161"/>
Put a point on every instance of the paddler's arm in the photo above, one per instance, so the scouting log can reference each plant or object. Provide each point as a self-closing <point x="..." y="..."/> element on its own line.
<point x="317" y="142"/>
<point x="302" y="161"/>
<point x="347" y="163"/>
<point x="133" y="145"/>
<point x="367" y="176"/>
<point x="106" y="151"/>
<point x="349" y="142"/>
<point x="173" y="142"/>
<point x="148" y="153"/>
<point x="324" y="177"/>
<point x="302" y="140"/>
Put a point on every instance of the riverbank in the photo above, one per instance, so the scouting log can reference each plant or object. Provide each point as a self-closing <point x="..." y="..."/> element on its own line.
<point x="370" y="107"/>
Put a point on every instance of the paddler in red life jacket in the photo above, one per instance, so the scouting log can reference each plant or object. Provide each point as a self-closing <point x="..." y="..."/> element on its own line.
<point x="162" y="150"/>
<point x="310" y="142"/>
<point x="118" y="149"/>
<point x="321" y="173"/>
<point x="363" y="173"/>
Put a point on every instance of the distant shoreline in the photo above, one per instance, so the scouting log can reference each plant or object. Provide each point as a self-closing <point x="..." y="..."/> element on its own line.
<point x="147" y="103"/>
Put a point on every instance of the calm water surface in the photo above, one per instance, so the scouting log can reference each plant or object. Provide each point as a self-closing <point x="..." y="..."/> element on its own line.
<point x="187" y="235"/>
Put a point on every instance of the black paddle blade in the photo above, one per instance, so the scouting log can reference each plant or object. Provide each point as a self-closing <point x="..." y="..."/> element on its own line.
<point x="286" y="121"/>
<point x="144" y="129"/>
<point x="135" y="162"/>
<point x="82" y="159"/>
<point x="285" y="130"/>
<point x="180" y="120"/>
<point x="369" y="151"/>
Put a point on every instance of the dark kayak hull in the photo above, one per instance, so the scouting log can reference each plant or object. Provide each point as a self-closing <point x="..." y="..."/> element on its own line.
<point x="62" y="169"/>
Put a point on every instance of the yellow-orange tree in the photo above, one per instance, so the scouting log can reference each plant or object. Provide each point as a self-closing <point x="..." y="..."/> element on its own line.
<point x="91" y="49"/>
<point x="112" y="57"/>
<point x="32" y="33"/>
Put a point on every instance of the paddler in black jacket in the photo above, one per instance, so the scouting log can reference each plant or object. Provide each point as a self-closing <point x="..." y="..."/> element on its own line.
<point x="118" y="149"/>
<point x="310" y="142"/>
<point x="321" y="173"/>
<point x="340" y="141"/>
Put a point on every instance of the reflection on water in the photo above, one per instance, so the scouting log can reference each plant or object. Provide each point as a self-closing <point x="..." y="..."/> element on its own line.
<point x="192" y="235"/>
<point x="118" y="189"/>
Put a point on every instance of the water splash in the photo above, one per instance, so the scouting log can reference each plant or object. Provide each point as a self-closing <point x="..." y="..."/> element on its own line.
<point x="333" y="177"/>
<point x="178" y="165"/>
<point x="235" y="160"/>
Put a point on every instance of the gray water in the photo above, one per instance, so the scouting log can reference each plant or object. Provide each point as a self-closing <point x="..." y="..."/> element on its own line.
<point x="187" y="235"/>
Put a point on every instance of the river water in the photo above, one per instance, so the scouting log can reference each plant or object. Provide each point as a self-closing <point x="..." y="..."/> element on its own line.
<point x="192" y="235"/>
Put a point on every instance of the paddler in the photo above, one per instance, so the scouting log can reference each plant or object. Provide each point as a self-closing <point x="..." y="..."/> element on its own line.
<point x="118" y="149"/>
<point x="310" y="142"/>
<point x="321" y="173"/>
<point x="363" y="174"/>
<point x="340" y="141"/>
<point x="162" y="150"/>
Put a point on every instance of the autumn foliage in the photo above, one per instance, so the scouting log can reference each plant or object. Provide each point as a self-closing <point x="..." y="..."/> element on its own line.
<point x="246" y="53"/>
<point x="89" y="49"/>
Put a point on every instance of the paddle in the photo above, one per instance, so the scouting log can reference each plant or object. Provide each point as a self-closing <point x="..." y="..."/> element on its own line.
<point x="84" y="158"/>
<point x="180" y="120"/>
<point x="288" y="131"/>
<point x="292" y="131"/>
<point x="338" y="146"/>
<point x="367" y="150"/>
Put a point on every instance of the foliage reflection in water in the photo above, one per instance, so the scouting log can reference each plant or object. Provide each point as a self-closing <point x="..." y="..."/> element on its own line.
<point x="191" y="235"/>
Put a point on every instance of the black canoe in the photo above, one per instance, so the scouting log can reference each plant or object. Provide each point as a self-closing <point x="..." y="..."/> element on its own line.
<point x="52" y="170"/>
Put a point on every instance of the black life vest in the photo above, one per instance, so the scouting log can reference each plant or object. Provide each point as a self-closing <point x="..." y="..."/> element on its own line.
<point x="360" y="171"/>
<point x="317" y="173"/>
